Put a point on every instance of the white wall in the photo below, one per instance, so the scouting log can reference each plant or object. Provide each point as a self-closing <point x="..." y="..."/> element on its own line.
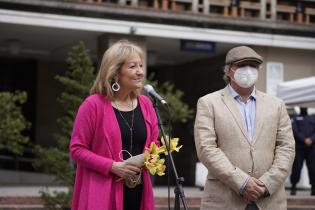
<point x="296" y="63"/>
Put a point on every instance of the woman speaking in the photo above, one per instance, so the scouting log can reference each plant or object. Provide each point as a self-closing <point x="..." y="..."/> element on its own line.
<point x="112" y="124"/>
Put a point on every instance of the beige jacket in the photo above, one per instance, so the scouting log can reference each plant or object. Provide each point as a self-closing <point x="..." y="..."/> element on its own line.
<point x="223" y="147"/>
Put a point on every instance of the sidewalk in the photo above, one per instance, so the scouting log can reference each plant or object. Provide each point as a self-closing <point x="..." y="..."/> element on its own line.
<point x="34" y="191"/>
<point x="27" y="198"/>
<point x="161" y="191"/>
<point x="28" y="191"/>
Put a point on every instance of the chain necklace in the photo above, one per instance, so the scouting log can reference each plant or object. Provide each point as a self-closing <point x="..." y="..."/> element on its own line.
<point x="126" y="122"/>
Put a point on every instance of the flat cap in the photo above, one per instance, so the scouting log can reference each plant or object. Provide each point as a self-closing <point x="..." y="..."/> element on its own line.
<point x="242" y="53"/>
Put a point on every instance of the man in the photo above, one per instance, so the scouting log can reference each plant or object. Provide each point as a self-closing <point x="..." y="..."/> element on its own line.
<point x="245" y="140"/>
<point x="303" y="127"/>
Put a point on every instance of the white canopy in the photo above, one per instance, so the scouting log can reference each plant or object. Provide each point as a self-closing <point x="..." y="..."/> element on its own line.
<point x="300" y="92"/>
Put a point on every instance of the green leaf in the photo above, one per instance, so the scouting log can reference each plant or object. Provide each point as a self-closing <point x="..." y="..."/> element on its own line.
<point x="179" y="110"/>
<point x="12" y="122"/>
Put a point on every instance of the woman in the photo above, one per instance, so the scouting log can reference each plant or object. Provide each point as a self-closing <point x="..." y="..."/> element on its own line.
<point x="113" y="123"/>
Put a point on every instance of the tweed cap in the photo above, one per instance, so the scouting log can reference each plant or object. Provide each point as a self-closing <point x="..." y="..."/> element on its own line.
<point x="242" y="53"/>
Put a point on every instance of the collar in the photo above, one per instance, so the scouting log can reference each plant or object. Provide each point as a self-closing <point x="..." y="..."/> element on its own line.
<point x="235" y="95"/>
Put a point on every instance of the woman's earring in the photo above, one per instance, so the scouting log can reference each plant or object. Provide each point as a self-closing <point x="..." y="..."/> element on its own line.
<point x="115" y="86"/>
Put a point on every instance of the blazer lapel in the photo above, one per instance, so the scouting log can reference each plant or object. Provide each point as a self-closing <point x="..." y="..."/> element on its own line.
<point x="259" y="115"/>
<point x="232" y="106"/>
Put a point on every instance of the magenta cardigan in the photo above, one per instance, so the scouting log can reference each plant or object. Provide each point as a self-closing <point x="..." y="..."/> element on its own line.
<point x="95" y="145"/>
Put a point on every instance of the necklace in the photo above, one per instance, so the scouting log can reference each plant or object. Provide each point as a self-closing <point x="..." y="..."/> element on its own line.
<point x="126" y="122"/>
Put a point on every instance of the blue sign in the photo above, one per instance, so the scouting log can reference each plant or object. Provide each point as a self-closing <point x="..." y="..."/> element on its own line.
<point x="197" y="46"/>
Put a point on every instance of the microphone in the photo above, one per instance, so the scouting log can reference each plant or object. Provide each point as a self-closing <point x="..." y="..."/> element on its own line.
<point x="150" y="90"/>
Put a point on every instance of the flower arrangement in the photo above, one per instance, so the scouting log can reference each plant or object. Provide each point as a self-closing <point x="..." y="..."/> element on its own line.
<point x="153" y="161"/>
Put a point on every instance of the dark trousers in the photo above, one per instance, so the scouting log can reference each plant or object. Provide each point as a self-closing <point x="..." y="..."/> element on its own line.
<point x="132" y="197"/>
<point x="251" y="206"/>
<point x="308" y="154"/>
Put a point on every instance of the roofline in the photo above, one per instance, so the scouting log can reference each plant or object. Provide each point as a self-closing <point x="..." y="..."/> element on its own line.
<point x="116" y="11"/>
<point x="154" y="30"/>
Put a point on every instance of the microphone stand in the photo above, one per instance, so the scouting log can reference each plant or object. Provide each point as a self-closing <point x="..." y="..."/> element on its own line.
<point x="179" y="191"/>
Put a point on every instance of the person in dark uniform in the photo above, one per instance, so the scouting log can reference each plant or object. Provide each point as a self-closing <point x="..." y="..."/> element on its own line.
<point x="303" y="126"/>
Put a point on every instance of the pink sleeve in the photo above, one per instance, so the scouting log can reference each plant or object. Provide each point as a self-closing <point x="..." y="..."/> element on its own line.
<point x="82" y="138"/>
<point x="154" y="121"/>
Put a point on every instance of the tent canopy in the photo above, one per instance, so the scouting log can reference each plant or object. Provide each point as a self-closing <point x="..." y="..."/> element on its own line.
<point x="300" y="92"/>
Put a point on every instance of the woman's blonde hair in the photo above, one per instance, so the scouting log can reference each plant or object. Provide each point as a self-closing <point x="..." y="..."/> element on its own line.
<point x="112" y="61"/>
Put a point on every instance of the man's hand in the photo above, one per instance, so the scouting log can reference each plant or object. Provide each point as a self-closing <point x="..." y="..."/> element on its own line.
<point x="308" y="142"/>
<point x="253" y="190"/>
<point x="261" y="184"/>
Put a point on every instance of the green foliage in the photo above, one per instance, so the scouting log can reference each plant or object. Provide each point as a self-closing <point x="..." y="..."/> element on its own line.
<point x="12" y="122"/>
<point x="180" y="112"/>
<point x="62" y="199"/>
<point x="76" y="83"/>
<point x="56" y="162"/>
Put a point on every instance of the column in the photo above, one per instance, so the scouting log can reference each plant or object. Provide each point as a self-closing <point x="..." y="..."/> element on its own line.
<point x="299" y="12"/>
<point x="206" y="6"/>
<point x="262" y="9"/>
<point x="234" y="4"/>
<point x="194" y="6"/>
<point x="273" y="9"/>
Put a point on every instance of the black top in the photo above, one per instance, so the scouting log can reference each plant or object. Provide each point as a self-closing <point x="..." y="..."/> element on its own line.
<point x="139" y="133"/>
<point x="132" y="197"/>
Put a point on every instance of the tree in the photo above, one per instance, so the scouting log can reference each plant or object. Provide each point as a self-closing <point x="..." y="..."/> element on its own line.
<point x="12" y="122"/>
<point x="180" y="111"/>
<point x="76" y="83"/>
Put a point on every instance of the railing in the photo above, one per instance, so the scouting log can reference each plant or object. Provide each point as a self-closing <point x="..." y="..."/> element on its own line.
<point x="294" y="11"/>
<point x="14" y="162"/>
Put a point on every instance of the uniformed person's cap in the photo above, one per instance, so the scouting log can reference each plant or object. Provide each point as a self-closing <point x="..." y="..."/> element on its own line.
<point x="242" y="53"/>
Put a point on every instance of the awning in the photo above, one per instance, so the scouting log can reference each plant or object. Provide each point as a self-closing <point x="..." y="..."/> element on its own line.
<point x="299" y="92"/>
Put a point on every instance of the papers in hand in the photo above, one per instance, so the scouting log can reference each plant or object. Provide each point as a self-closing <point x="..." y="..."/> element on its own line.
<point x="137" y="160"/>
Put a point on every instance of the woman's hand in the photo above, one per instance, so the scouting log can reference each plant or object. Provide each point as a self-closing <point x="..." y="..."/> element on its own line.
<point x="124" y="170"/>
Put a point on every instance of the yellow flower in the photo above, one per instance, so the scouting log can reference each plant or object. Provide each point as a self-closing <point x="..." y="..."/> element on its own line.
<point x="153" y="162"/>
<point x="160" y="167"/>
<point x="173" y="145"/>
<point x="154" y="149"/>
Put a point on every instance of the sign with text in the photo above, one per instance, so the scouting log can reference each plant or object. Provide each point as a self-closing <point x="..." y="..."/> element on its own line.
<point x="197" y="46"/>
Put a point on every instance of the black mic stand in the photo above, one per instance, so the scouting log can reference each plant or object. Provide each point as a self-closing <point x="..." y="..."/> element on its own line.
<point x="179" y="191"/>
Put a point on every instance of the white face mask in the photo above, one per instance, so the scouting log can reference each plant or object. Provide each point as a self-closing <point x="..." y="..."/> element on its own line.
<point x="246" y="76"/>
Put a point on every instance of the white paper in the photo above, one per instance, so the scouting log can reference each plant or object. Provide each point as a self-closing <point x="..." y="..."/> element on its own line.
<point x="137" y="160"/>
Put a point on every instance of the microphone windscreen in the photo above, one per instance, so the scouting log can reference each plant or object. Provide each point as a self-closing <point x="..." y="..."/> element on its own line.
<point x="148" y="88"/>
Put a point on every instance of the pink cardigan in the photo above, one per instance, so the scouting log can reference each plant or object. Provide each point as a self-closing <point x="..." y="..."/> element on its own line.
<point x="95" y="145"/>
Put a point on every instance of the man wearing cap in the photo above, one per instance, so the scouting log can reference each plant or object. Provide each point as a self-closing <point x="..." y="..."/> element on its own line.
<point x="244" y="138"/>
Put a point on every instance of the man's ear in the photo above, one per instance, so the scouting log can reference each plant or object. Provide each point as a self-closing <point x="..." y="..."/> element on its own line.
<point x="229" y="70"/>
